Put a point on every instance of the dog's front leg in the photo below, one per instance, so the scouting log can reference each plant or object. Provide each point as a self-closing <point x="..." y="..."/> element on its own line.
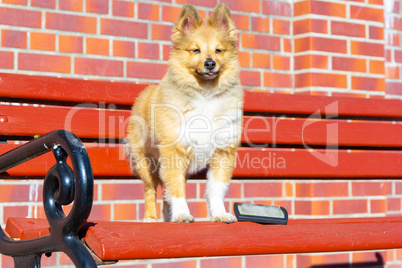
<point x="219" y="174"/>
<point x="174" y="163"/>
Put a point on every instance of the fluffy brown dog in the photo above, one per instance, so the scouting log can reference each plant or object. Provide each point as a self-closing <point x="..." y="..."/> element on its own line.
<point x="193" y="119"/>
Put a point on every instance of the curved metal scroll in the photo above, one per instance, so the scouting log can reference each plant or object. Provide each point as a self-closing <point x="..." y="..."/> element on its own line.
<point x="62" y="186"/>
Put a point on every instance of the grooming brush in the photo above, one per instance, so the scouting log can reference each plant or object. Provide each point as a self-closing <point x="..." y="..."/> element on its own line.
<point x="260" y="213"/>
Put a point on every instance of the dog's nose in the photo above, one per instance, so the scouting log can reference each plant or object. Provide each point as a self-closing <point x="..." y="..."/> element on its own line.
<point x="210" y="64"/>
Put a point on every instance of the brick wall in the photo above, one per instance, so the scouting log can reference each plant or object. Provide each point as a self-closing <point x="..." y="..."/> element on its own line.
<point x="327" y="47"/>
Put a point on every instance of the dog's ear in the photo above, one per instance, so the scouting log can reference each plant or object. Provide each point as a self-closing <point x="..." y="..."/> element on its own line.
<point x="222" y="19"/>
<point x="189" y="20"/>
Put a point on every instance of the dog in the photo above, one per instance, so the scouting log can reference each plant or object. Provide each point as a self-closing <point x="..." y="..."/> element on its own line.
<point x="192" y="119"/>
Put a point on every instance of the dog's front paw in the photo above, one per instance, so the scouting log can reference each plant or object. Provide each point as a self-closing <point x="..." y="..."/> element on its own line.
<point x="185" y="217"/>
<point x="150" y="220"/>
<point x="226" y="217"/>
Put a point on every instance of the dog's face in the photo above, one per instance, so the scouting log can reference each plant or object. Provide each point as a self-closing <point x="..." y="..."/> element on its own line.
<point x="205" y="51"/>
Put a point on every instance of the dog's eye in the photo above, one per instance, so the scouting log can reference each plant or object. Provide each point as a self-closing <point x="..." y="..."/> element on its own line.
<point x="217" y="51"/>
<point x="197" y="51"/>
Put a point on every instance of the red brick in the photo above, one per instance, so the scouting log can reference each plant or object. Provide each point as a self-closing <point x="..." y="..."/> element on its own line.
<point x="232" y="262"/>
<point x="281" y="26"/>
<point x="368" y="188"/>
<point x="262" y="60"/>
<point x="44" y="63"/>
<point x="122" y="191"/>
<point x="392" y="39"/>
<point x="349" y="64"/>
<point x="16" y="2"/>
<point x="260" y="24"/>
<point x="281" y="62"/>
<point x="348" y="29"/>
<point x="20" y="17"/>
<point x="98" y="67"/>
<point x="123" y="8"/>
<point x="123" y="212"/>
<point x="43" y="3"/>
<point x="392" y="72"/>
<point x="166" y="49"/>
<point x="97" y="6"/>
<point x="311" y="61"/>
<point x="148" y="11"/>
<point x="11" y="38"/>
<point x="378" y="206"/>
<point x="14" y="193"/>
<point x="255" y="189"/>
<point x="265" y="261"/>
<point x="278" y="8"/>
<point x="71" y="44"/>
<point x="242" y="22"/>
<point x="161" y="32"/>
<point x="250" y="78"/>
<point x="394" y="88"/>
<point x="367" y="49"/>
<point x="320" y="44"/>
<point x="6" y="60"/>
<point x="123" y="49"/>
<point x="349" y="206"/>
<point x="146" y="70"/>
<point x="315" y="207"/>
<point x="205" y="3"/>
<point x="320" y="8"/>
<point x="327" y="189"/>
<point x="394" y="204"/>
<point x="198" y="209"/>
<point x="376" y="67"/>
<point x="244" y="6"/>
<point x="277" y="80"/>
<point x="15" y="211"/>
<point x="97" y="46"/>
<point x="329" y="45"/>
<point x="100" y="212"/>
<point x="368" y="83"/>
<point x="148" y="50"/>
<point x="43" y="41"/>
<point x="366" y="13"/>
<point x="398" y="56"/>
<point x="178" y="264"/>
<point x="170" y="13"/>
<point x="288" y="45"/>
<point x="318" y="260"/>
<point x="57" y="21"/>
<point x="310" y="26"/>
<point x="71" y="5"/>
<point x="367" y="257"/>
<point x="234" y="190"/>
<point x="191" y="190"/>
<point x="320" y="80"/>
<point x="258" y="41"/>
<point x="124" y="28"/>
<point x="376" y="33"/>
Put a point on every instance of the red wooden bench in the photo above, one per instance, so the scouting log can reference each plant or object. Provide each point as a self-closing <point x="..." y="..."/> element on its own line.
<point x="315" y="136"/>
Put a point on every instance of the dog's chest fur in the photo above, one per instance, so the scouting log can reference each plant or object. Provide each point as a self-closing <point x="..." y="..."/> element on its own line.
<point x="209" y="123"/>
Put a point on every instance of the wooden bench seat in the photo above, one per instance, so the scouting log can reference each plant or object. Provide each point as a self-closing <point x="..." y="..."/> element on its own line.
<point x="284" y="136"/>
<point x="125" y="240"/>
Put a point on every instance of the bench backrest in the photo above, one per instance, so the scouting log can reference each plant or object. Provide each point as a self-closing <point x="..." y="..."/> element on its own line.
<point x="283" y="135"/>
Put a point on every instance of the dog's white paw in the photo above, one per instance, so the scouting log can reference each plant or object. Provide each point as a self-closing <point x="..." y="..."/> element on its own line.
<point x="225" y="217"/>
<point x="185" y="217"/>
<point x="150" y="220"/>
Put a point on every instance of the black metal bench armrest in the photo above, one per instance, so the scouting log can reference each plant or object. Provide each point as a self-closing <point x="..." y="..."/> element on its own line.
<point x="62" y="186"/>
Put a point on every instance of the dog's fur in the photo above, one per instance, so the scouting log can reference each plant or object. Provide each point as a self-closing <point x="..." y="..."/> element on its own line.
<point x="192" y="119"/>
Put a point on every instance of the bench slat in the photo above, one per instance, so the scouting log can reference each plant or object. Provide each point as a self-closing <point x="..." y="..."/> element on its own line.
<point x="105" y="123"/>
<point x="75" y="90"/>
<point x="260" y="102"/>
<point x="125" y="240"/>
<point x="252" y="162"/>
